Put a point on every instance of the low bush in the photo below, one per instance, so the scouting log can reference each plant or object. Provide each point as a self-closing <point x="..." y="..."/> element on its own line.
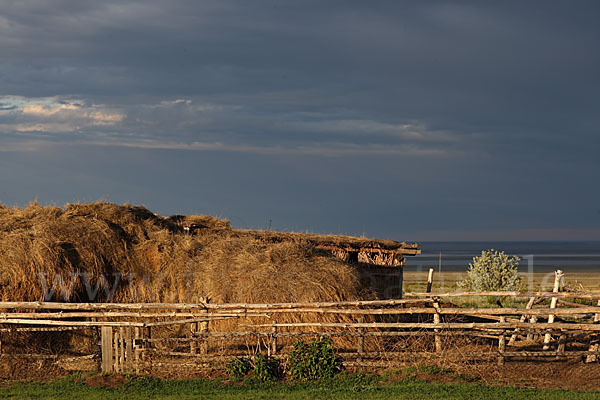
<point x="238" y="367"/>
<point x="315" y="360"/>
<point x="492" y="271"/>
<point x="265" y="368"/>
<point x="262" y="367"/>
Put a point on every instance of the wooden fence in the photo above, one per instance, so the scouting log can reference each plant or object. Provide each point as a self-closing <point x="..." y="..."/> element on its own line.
<point x="140" y="337"/>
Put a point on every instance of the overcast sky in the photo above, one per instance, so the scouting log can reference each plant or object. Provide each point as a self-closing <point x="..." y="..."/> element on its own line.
<point x="409" y="120"/>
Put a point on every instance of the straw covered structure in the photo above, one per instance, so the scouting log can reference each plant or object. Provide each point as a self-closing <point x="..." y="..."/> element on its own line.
<point x="105" y="252"/>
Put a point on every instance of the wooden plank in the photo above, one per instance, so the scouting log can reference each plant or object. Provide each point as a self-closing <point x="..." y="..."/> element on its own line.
<point x="226" y="335"/>
<point x="136" y="350"/>
<point x="378" y="355"/>
<point x="114" y="314"/>
<point x="122" y="348"/>
<point x="199" y="306"/>
<point x="444" y="325"/>
<point x="203" y="320"/>
<point x="129" y="365"/>
<point x="116" y="351"/>
<point x="67" y="323"/>
<point x="42" y="329"/>
<point x="204" y="316"/>
<point x="567" y="295"/>
<point x="106" y="345"/>
<point x="34" y="305"/>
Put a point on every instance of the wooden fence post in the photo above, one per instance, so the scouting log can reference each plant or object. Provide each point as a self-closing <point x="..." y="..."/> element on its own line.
<point x="122" y="343"/>
<point x="501" y="343"/>
<point x="128" y="349"/>
<point x="437" y="320"/>
<point x="136" y="350"/>
<point x="273" y="349"/>
<point x="360" y="347"/>
<point x="116" y="351"/>
<point x="594" y="346"/>
<point x="429" y="280"/>
<point x="531" y="335"/>
<point x="193" y="330"/>
<point x="562" y="341"/>
<point x="558" y="275"/>
<point x="400" y="280"/>
<point x="204" y="329"/>
<point x="522" y="319"/>
<point x="148" y="347"/>
<point x="106" y="347"/>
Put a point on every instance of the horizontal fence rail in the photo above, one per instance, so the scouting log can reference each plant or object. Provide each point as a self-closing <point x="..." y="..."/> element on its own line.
<point x="139" y="337"/>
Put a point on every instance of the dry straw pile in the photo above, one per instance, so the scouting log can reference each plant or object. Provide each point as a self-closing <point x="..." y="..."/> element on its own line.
<point x="107" y="252"/>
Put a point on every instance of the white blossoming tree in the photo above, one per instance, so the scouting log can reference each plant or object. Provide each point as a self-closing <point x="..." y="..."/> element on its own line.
<point x="493" y="270"/>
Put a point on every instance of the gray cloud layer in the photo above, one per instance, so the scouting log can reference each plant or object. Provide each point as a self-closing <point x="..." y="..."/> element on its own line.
<point x="472" y="114"/>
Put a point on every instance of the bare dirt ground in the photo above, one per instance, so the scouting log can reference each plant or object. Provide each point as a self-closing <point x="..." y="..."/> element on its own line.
<point x="539" y="375"/>
<point x="544" y="374"/>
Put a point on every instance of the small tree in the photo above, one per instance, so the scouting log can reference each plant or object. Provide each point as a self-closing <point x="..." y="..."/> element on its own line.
<point x="493" y="270"/>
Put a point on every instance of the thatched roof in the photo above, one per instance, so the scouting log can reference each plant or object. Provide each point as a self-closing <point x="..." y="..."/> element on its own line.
<point x="128" y="251"/>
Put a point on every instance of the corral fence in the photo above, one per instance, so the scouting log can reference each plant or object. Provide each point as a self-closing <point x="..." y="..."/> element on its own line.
<point x="143" y="337"/>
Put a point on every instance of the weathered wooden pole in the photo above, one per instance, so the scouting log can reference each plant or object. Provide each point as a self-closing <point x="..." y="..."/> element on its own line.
<point x="148" y="346"/>
<point x="122" y="360"/>
<point x="522" y="319"/>
<point x="501" y="344"/>
<point x="437" y="320"/>
<point x="594" y="346"/>
<point x="360" y="347"/>
<point x="429" y="280"/>
<point x="106" y="348"/>
<point x="116" y="351"/>
<point x="558" y="275"/>
<point x="193" y="330"/>
<point x="531" y="335"/>
<point x="562" y="342"/>
<point x="401" y="279"/>
<point x="129" y="364"/>
<point x="203" y="328"/>
<point x="136" y="350"/>
<point x="273" y="347"/>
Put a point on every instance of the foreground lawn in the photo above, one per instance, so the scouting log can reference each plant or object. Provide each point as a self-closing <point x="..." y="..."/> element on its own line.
<point x="346" y="387"/>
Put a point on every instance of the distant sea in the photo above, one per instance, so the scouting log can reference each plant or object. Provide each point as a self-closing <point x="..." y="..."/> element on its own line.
<point x="571" y="256"/>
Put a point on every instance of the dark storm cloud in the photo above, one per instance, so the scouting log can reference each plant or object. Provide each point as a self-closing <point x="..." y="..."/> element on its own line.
<point x="472" y="94"/>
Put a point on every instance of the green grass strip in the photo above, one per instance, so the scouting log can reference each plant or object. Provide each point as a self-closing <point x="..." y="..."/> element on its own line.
<point x="344" y="387"/>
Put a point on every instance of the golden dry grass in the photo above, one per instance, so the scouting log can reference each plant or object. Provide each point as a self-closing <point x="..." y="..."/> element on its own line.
<point x="156" y="262"/>
<point x="416" y="281"/>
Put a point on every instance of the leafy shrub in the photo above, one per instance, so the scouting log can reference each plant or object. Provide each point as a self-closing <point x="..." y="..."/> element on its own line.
<point x="315" y="360"/>
<point x="238" y="367"/>
<point x="263" y="368"/>
<point x="493" y="270"/>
